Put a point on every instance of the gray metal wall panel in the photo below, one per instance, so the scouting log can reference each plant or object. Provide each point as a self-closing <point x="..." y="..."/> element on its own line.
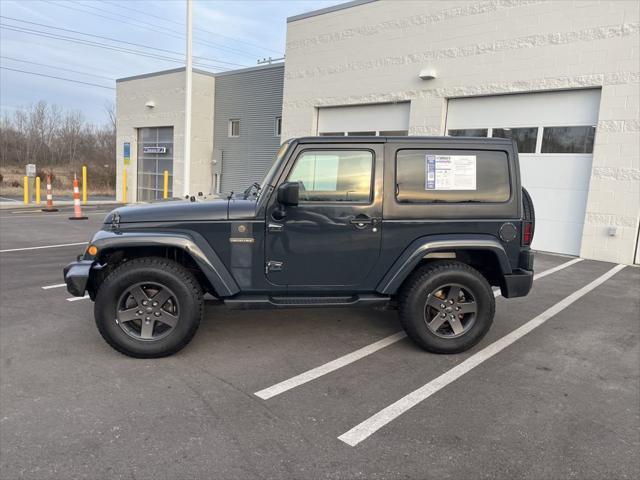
<point x="255" y="98"/>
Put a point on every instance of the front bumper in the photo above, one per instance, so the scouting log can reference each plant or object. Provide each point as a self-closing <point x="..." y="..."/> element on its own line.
<point x="517" y="284"/>
<point x="76" y="276"/>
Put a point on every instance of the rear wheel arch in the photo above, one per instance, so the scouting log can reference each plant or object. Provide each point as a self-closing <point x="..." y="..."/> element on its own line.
<point x="482" y="252"/>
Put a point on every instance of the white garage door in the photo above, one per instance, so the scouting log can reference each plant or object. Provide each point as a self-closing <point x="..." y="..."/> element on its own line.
<point x="390" y="119"/>
<point x="555" y="133"/>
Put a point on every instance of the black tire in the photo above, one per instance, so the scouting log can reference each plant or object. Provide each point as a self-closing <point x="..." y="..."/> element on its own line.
<point x="150" y="273"/>
<point x="429" y="285"/>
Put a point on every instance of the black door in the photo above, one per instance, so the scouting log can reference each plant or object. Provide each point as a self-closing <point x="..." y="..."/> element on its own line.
<point x="332" y="238"/>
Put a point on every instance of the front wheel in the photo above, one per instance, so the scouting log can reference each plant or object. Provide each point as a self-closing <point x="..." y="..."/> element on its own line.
<point x="149" y="307"/>
<point x="446" y="307"/>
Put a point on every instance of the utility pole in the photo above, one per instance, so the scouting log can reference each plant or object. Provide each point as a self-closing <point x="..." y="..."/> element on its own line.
<point x="187" y="105"/>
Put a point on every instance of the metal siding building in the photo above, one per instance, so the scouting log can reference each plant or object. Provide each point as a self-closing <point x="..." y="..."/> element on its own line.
<point x="254" y="97"/>
<point x="152" y="103"/>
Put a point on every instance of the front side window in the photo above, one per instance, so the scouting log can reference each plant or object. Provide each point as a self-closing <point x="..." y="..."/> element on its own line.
<point x="234" y="128"/>
<point x="568" y="139"/>
<point x="525" y="137"/>
<point x="452" y="176"/>
<point x="334" y="176"/>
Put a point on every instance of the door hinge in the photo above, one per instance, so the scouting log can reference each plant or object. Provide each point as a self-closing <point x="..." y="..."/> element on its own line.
<point x="273" y="266"/>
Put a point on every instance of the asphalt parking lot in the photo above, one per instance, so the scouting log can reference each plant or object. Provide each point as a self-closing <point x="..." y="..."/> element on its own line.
<point x="552" y="392"/>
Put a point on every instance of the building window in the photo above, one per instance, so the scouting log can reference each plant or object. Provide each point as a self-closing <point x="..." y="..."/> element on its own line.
<point x="234" y="128"/>
<point x="439" y="176"/>
<point x="278" y="126"/>
<point x="361" y="134"/>
<point x="334" y="176"/>
<point x="469" y="132"/>
<point x="393" y="133"/>
<point x="568" y="139"/>
<point x="332" y="134"/>
<point x="525" y="137"/>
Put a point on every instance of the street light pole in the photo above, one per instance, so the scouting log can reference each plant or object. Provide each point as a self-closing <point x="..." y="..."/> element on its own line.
<point x="187" y="105"/>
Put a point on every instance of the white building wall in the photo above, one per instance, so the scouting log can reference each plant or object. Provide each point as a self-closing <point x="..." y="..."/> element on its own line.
<point x="372" y="53"/>
<point x="166" y="91"/>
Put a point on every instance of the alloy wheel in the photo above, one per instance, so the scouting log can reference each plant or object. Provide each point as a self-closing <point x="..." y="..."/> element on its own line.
<point x="148" y="311"/>
<point x="450" y="310"/>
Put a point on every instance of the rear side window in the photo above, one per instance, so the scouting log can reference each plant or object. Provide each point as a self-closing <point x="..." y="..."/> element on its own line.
<point x="457" y="176"/>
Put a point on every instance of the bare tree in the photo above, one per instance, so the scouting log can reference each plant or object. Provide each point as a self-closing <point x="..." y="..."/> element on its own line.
<point x="110" y="110"/>
<point x="50" y="137"/>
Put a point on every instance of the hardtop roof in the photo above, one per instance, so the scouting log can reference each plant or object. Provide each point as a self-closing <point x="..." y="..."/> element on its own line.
<point x="403" y="139"/>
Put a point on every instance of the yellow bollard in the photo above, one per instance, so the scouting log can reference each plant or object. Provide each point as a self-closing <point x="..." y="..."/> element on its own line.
<point x="84" y="184"/>
<point x="37" y="190"/>
<point x="165" y="193"/>
<point x="26" y="190"/>
<point x="124" y="185"/>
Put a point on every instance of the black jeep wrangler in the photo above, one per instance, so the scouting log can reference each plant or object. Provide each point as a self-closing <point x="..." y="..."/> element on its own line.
<point x="425" y="225"/>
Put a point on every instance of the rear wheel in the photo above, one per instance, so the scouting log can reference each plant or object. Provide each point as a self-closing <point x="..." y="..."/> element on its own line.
<point x="148" y="307"/>
<point x="446" y="307"/>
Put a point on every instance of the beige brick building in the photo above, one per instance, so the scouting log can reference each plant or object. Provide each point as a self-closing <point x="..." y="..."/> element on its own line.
<point x="561" y="76"/>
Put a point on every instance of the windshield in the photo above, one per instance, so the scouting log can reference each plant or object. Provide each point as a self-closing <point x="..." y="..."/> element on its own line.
<point x="268" y="178"/>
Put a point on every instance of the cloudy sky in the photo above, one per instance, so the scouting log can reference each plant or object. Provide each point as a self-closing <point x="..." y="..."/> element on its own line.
<point x="96" y="42"/>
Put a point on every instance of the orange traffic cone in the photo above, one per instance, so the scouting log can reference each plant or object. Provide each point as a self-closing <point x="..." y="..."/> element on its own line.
<point x="77" y="211"/>
<point x="50" y="207"/>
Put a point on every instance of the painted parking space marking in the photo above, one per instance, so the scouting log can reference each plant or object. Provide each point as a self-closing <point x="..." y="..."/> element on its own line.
<point x="75" y="299"/>
<point x="371" y="425"/>
<point x="345" y="360"/>
<point x="42" y="247"/>
<point x="57" y="285"/>
<point x="329" y="367"/>
<point x="557" y="268"/>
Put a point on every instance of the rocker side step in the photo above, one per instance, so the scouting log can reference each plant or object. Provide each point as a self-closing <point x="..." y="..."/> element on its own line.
<point x="264" y="301"/>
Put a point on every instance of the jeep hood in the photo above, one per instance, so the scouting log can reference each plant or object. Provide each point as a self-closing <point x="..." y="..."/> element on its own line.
<point x="172" y="211"/>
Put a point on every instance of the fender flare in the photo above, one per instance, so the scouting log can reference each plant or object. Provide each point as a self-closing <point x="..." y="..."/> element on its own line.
<point x="420" y="247"/>
<point x="191" y="242"/>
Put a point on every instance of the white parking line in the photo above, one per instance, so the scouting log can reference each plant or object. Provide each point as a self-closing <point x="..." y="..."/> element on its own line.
<point x="333" y="365"/>
<point x="43" y="246"/>
<point x="363" y="430"/>
<point x="557" y="268"/>
<point x="57" y="285"/>
<point x="328" y="367"/>
<point x="75" y="299"/>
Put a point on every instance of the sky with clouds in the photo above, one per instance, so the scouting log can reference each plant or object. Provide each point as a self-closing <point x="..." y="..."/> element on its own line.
<point x="96" y="42"/>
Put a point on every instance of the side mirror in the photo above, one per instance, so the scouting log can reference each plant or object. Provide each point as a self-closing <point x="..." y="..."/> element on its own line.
<point x="288" y="193"/>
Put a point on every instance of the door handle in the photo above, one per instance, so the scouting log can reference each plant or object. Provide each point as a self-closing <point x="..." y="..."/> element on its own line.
<point x="361" y="221"/>
<point x="275" y="227"/>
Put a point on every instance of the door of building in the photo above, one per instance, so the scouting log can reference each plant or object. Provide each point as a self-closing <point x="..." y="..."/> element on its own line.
<point x="555" y="133"/>
<point x="155" y="155"/>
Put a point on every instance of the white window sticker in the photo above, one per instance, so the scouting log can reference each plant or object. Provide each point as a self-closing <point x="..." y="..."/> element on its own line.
<point x="450" y="172"/>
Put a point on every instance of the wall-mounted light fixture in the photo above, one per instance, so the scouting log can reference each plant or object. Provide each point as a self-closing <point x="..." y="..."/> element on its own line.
<point x="150" y="104"/>
<point x="427" y="74"/>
